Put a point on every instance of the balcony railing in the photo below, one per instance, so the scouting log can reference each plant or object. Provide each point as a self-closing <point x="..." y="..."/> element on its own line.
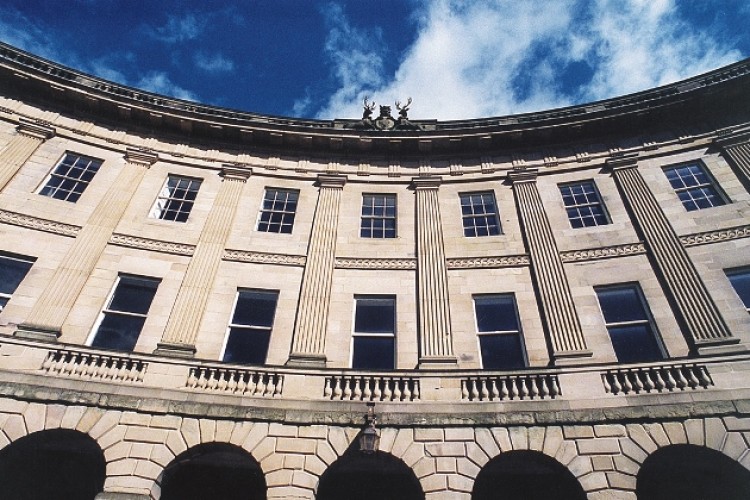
<point x="510" y="387"/>
<point x="371" y="388"/>
<point x="661" y="378"/>
<point x="94" y="366"/>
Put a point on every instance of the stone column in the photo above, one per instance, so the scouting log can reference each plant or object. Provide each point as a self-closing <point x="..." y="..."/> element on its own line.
<point x="308" y="344"/>
<point x="185" y="319"/>
<point x="20" y="148"/>
<point x="704" y="327"/>
<point x="564" y="332"/>
<point x="736" y="148"/>
<point x="433" y="311"/>
<point x="48" y="314"/>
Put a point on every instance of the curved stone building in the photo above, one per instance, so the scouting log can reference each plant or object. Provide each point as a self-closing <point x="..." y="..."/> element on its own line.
<point x="205" y="303"/>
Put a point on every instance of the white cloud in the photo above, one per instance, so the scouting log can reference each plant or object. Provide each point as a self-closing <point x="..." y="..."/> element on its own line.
<point x="213" y="63"/>
<point x="179" y="29"/>
<point x="159" y="82"/>
<point x="473" y="59"/>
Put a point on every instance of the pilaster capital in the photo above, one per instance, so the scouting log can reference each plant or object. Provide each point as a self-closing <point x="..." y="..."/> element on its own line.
<point x="621" y="160"/>
<point x="427" y="182"/>
<point x="236" y="172"/>
<point x="35" y="129"/>
<point x="733" y="138"/>
<point x="519" y="175"/>
<point x="141" y="156"/>
<point x="334" y="181"/>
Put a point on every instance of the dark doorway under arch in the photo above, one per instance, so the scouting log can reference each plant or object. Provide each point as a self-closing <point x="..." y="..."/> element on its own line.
<point x="211" y="471"/>
<point x="690" y="472"/>
<point x="56" y="463"/>
<point x="356" y="476"/>
<point x="526" y="475"/>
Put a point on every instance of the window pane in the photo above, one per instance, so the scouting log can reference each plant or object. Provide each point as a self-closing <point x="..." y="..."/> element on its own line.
<point x="118" y="332"/>
<point x="175" y="200"/>
<point x="496" y="313"/>
<point x="634" y="344"/>
<point x="278" y="208"/>
<point x="12" y="272"/>
<point x="621" y="304"/>
<point x="694" y="186"/>
<point x="501" y="352"/>
<point x="70" y="177"/>
<point x="247" y="345"/>
<point x="373" y="353"/>
<point x="741" y="283"/>
<point x="583" y="205"/>
<point x="479" y="214"/>
<point x="255" y="308"/>
<point x="375" y="316"/>
<point x="133" y="295"/>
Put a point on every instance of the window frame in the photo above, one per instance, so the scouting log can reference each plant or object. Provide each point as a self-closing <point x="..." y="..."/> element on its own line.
<point x="356" y="334"/>
<point x="735" y="272"/>
<point x="710" y="184"/>
<point x="474" y="216"/>
<point x="18" y="258"/>
<point x="379" y="218"/>
<point x="488" y="333"/>
<point x="649" y="319"/>
<point x="230" y="325"/>
<point x="577" y="207"/>
<point x="106" y="309"/>
<point x="54" y="190"/>
<point x="169" y="199"/>
<point x="273" y="210"/>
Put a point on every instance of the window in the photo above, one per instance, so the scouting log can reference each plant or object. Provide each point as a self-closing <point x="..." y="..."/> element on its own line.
<point x="374" y="338"/>
<point x="740" y="280"/>
<point x="122" y="319"/>
<point x="13" y="269"/>
<point x="479" y="214"/>
<point x="378" y="216"/>
<point x="70" y="177"/>
<point x="277" y="213"/>
<point x="250" y="330"/>
<point x="694" y="186"/>
<point x="629" y="324"/>
<point x="176" y="198"/>
<point x="500" y="343"/>
<point x="583" y="204"/>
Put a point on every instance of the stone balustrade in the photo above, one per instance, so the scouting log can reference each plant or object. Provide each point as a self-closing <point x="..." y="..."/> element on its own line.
<point x="371" y="388"/>
<point x="242" y="382"/>
<point x="510" y="387"/>
<point x="94" y="366"/>
<point x="658" y="378"/>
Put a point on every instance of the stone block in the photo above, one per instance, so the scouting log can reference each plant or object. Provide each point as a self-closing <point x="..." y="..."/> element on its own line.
<point x="281" y="477"/>
<point x="476" y="454"/>
<point x="295" y="445"/>
<point x="467" y="468"/>
<point x="694" y="431"/>
<point x="675" y="432"/>
<point x="657" y="434"/>
<point x="124" y="467"/>
<point x="272" y="462"/>
<point x="413" y="453"/>
<point x="626" y="465"/>
<point x="387" y="438"/>
<point x="578" y="431"/>
<point x="165" y="421"/>
<point x="12" y="405"/>
<point x="632" y="450"/>
<point x="404" y="439"/>
<point x="257" y="433"/>
<point x="599" y="446"/>
<point x="161" y="455"/>
<point x="553" y="439"/>
<point x="602" y="463"/>
<point x="593" y="481"/>
<point x="424" y="467"/>
<point x="486" y="441"/>
<point x="146" y="435"/>
<point x="611" y="495"/>
<point x="175" y="442"/>
<point x="519" y="438"/>
<point x="638" y="434"/>
<point x="223" y="431"/>
<point x="609" y="430"/>
<point x="734" y="445"/>
<point x="117" y="451"/>
<point x="112" y="436"/>
<point x="445" y="449"/>
<point x="142" y="450"/>
<point x="147" y="468"/>
<point x="313" y="431"/>
<point x="280" y="430"/>
<point x="191" y="432"/>
<point x="304" y="479"/>
<point x="314" y="465"/>
<point x="72" y="416"/>
<point x="460" y="483"/>
<point x="536" y="438"/>
<point x="621" y="481"/>
<point x="55" y="414"/>
<point x="207" y="430"/>
<point x="429" y="434"/>
<point x="715" y="433"/>
<point x="264" y="448"/>
<point x="89" y="418"/>
<point x="445" y="465"/>
<point x="325" y="452"/>
<point x="133" y="418"/>
<point x="435" y="482"/>
<point x="105" y="423"/>
<point x="502" y="438"/>
<point x="459" y="434"/>
<point x="567" y="452"/>
<point x="239" y="432"/>
<point x="580" y="466"/>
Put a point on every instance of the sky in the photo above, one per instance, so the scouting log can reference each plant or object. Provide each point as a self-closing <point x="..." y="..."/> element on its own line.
<point x="456" y="59"/>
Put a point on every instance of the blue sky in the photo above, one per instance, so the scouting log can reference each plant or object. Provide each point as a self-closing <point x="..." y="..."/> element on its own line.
<point x="456" y="59"/>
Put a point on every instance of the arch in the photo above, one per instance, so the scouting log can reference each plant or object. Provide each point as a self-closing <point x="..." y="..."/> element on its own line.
<point x="526" y="475"/>
<point x="56" y="463"/>
<point x="369" y="477"/>
<point x="691" y="472"/>
<point x="213" y="470"/>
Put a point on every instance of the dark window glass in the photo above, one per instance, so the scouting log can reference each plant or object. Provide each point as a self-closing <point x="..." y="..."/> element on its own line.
<point x="250" y="329"/>
<point x="694" y="186"/>
<point x="12" y="272"/>
<point x="583" y="205"/>
<point x="175" y="200"/>
<point x="629" y="324"/>
<point x="374" y="339"/>
<point x="500" y="343"/>
<point x="740" y="280"/>
<point x="277" y="211"/>
<point x="70" y="177"/>
<point x="479" y="214"/>
<point x="378" y="216"/>
<point x="123" y="318"/>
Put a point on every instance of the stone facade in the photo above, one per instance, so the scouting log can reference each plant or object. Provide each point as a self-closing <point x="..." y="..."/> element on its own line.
<point x="440" y="414"/>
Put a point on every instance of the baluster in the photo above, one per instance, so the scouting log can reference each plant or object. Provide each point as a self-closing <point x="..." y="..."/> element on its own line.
<point x="212" y="379"/>
<point x="415" y="392"/>
<point x="503" y="390"/>
<point x="681" y="382"/>
<point x="543" y="387"/>
<point x="78" y="364"/>
<point x="192" y="379"/>
<point x="93" y="366"/>
<point x="691" y="378"/>
<point x="66" y="363"/>
<point x="464" y="390"/>
<point x="327" y="391"/>
<point x="658" y="380"/>
<point x="648" y="382"/>
<point x="474" y="390"/>
<point x="48" y="362"/>
<point x="357" y="389"/>
<point x="347" y="389"/>
<point x="141" y="370"/>
<point x="387" y="393"/>
<point x="202" y="382"/>
<point x="260" y="389"/>
<point x="513" y="388"/>
<point x="533" y="389"/>
<point x="337" y="389"/>
<point x="397" y="389"/>
<point x="523" y="387"/>
<point x="637" y="384"/>
<point x="484" y="392"/>
<point x="407" y="389"/>
<point x="133" y="373"/>
<point x="627" y="387"/>
<point x="704" y="377"/>
<point x="222" y="379"/>
<point x="252" y="379"/>
<point x="278" y="386"/>
<point x="605" y="381"/>
<point x="493" y="389"/>
<point x="671" y="384"/>
<point x="377" y="393"/>
<point x="232" y="382"/>
<point x="554" y="387"/>
<point x="616" y="387"/>
<point x="242" y="382"/>
<point x="113" y="369"/>
<point x="368" y="390"/>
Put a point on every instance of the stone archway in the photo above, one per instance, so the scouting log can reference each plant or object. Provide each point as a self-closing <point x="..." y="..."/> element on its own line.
<point x="56" y="463"/>
<point x="690" y="472"/>
<point x="369" y="477"/>
<point x="526" y="475"/>
<point x="213" y="470"/>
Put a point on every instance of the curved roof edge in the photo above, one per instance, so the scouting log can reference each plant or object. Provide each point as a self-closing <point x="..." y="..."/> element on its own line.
<point x="67" y="89"/>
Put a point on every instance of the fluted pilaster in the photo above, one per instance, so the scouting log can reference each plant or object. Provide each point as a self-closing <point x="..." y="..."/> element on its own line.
<point x="554" y="296"/>
<point x="185" y="319"/>
<point x="48" y="314"/>
<point x="703" y="325"/>
<point x="433" y="312"/>
<point x="736" y="148"/>
<point x="308" y="344"/>
<point x="20" y="148"/>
